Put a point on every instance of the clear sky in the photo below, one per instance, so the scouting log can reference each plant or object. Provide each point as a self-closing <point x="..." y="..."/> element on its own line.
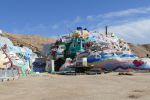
<point x="129" y="19"/>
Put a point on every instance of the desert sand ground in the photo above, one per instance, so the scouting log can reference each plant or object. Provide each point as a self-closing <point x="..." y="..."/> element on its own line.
<point x="81" y="87"/>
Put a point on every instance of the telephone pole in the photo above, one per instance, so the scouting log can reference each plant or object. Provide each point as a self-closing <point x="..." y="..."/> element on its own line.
<point x="106" y="30"/>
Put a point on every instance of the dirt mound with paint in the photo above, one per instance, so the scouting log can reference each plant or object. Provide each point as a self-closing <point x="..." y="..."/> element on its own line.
<point x="36" y="43"/>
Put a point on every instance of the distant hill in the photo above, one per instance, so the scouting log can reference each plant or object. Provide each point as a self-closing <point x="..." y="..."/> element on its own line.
<point x="140" y="50"/>
<point x="36" y="43"/>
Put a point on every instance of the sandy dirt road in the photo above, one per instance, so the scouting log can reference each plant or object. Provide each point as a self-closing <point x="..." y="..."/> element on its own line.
<point x="95" y="87"/>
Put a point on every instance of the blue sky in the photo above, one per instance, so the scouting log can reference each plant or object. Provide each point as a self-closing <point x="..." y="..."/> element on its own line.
<point x="129" y="19"/>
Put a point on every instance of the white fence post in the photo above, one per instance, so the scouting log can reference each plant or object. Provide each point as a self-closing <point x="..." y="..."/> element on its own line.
<point x="52" y="66"/>
<point x="84" y="62"/>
